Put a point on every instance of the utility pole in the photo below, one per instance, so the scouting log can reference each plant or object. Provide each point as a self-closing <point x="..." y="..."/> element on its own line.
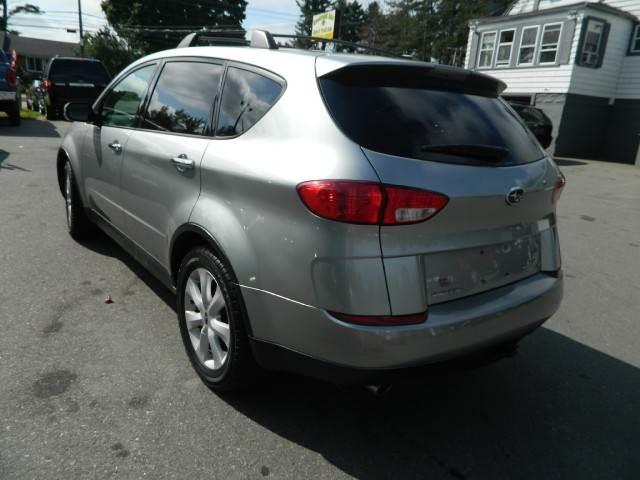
<point x="80" y="22"/>
<point x="5" y="18"/>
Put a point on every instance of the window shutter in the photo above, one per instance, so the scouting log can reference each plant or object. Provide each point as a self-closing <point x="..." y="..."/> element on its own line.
<point x="603" y="44"/>
<point x="473" y="51"/>
<point x="566" y="42"/>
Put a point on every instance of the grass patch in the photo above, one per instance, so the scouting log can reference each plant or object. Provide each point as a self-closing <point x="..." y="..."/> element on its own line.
<point x="29" y="115"/>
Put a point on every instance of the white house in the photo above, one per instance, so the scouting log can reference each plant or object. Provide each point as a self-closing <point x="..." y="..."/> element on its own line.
<point x="578" y="61"/>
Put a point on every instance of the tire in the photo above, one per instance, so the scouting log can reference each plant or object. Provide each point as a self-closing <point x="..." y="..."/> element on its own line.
<point x="216" y="343"/>
<point x="14" y="115"/>
<point x="78" y="225"/>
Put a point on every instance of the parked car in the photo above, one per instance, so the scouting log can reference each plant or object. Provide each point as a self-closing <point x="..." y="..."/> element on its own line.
<point x="344" y="216"/>
<point x="537" y="121"/>
<point x="36" y="97"/>
<point x="69" y="79"/>
<point x="9" y="90"/>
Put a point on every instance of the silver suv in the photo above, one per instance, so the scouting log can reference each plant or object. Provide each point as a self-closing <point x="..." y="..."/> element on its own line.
<point x="344" y="216"/>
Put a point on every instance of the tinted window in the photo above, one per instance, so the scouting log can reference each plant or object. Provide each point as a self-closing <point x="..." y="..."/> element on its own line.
<point x="81" y="71"/>
<point x="246" y="97"/>
<point x="409" y="113"/>
<point x="120" y="105"/>
<point x="183" y="97"/>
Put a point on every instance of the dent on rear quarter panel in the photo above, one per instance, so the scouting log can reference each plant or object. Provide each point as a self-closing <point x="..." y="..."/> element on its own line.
<point x="250" y="205"/>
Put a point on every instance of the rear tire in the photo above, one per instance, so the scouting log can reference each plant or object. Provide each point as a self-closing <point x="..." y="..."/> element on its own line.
<point x="78" y="225"/>
<point x="212" y="320"/>
<point x="14" y="115"/>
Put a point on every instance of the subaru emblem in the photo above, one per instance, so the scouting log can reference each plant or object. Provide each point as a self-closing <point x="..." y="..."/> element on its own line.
<point x="514" y="196"/>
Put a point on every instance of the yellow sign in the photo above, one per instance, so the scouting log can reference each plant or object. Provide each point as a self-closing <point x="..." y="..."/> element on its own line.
<point x="323" y="25"/>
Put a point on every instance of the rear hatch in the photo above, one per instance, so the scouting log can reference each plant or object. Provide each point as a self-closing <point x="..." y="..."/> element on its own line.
<point x="445" y="130"/>
<point x="76" y="80"/>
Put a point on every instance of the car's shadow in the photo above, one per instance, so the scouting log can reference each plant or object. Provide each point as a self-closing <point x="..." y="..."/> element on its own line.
<point x="28" y="128"/>
<point x="100" y="243"/>
<point x="558" y="409"/>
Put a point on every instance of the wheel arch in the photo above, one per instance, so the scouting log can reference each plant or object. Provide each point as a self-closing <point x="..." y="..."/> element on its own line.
<point x="62" y="159"/>
<point x="187" y="237"/>
<point x="190" y="236"/>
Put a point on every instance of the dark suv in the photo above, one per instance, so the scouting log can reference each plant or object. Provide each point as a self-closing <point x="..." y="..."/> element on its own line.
<point x="9" y="96"/>
<point x="69" y="79"/>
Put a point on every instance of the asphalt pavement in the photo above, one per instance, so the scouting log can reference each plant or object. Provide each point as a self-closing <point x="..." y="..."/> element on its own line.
<point x="96" y="390"/>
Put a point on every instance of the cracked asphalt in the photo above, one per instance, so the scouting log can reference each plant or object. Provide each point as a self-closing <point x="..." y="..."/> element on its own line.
<point x="95" y="390"/>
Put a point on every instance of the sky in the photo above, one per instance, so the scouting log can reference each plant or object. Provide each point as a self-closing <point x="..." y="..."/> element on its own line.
<point x="278" y="16"/>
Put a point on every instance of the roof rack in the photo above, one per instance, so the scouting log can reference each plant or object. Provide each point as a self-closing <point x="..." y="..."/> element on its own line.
<point x="266" y="40"/>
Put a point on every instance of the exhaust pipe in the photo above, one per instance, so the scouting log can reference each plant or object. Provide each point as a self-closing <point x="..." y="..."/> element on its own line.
<point x="379" y="390"/>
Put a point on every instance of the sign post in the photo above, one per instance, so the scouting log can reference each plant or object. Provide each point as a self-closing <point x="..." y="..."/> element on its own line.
<point x="323" y="25"/>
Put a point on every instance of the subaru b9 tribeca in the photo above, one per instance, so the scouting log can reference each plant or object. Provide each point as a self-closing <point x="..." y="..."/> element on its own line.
<point x="325" y="213"/>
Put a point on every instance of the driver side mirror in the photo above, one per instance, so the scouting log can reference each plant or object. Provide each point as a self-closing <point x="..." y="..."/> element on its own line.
<point x="77" y="112"/>
<point x="80" y="112"/>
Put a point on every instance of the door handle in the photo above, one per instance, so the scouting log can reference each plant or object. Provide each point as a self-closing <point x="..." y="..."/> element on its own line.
<point x="182" y="163"/>
<point x="116" y="147"/>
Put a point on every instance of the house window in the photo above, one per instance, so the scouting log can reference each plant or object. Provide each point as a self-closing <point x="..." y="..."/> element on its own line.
<point x="549" y="43"/>
<point x="487" y="46"/>
<point x="635" y="40"/>
<point x="528" y="43"/>
<point x="505" y="45"/>
<point x="34" y="64"/>
<point x="592" y="43"/>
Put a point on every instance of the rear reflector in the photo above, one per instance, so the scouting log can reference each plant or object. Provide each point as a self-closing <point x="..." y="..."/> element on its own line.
<point x="388" y="320"/>
<point x="369" y="203"/>
<point x="12" y="78"/>
<point x="558" y="187"/>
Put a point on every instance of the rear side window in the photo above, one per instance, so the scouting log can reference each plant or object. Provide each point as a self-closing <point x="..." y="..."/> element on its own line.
<point x="81" y="71"/>
<point x="246" y="97"/>
<point x="183" y="98"/>
<point x="121" y="103"/>
<point x="397" y="112"/>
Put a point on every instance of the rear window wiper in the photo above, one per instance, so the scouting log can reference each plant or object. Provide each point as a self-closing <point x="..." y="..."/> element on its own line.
<point x="488" y="152"/>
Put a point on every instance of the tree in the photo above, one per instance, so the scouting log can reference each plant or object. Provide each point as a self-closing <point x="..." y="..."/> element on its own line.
<point x="110" y="49"/>
<point x="149" y="26"/>
<point x="352" y="18"/>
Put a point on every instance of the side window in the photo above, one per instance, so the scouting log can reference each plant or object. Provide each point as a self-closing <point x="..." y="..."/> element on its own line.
<point x="184" y="97"/>
<point x="487" y="44"/>
<point x="549" y="43"/>
<point x="120" y="105"/>
<point x="246" y="97"/>
<point x="593" y="43"/>
<point x="634" y="48"/>
<point x="505" y="45"/>
<point x="528" y="43"/>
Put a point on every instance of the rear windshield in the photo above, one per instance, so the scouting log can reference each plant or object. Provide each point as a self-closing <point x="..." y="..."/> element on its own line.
<point x="78" y="71"/>
<point x="397" y="113"/>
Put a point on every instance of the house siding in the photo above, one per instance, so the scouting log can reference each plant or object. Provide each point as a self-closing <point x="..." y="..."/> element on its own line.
<point x="524" y="6"/>
<point x="543" y="79"/>
<point x="603" y="81"/>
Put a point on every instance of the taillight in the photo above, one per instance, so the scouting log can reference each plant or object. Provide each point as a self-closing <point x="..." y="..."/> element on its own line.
<point x="369" y="203"/>
<point x="558" y="187"/>
<point x="47" y="86"/>
<point x="410" y="205"/>
<point x="343" y="201"/>
<point x="381" y="320"/>
<point x="12" y="78"/>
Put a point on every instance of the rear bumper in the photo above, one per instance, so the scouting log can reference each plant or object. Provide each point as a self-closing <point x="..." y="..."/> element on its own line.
<point x="8" y="96"/>
<point x="453" y="329"/>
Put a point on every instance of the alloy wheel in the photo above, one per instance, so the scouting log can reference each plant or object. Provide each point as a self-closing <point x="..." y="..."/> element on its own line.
<point x="206" y="319"/>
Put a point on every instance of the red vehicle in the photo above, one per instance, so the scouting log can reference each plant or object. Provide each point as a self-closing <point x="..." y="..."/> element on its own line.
<point x="9" y="88"/>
